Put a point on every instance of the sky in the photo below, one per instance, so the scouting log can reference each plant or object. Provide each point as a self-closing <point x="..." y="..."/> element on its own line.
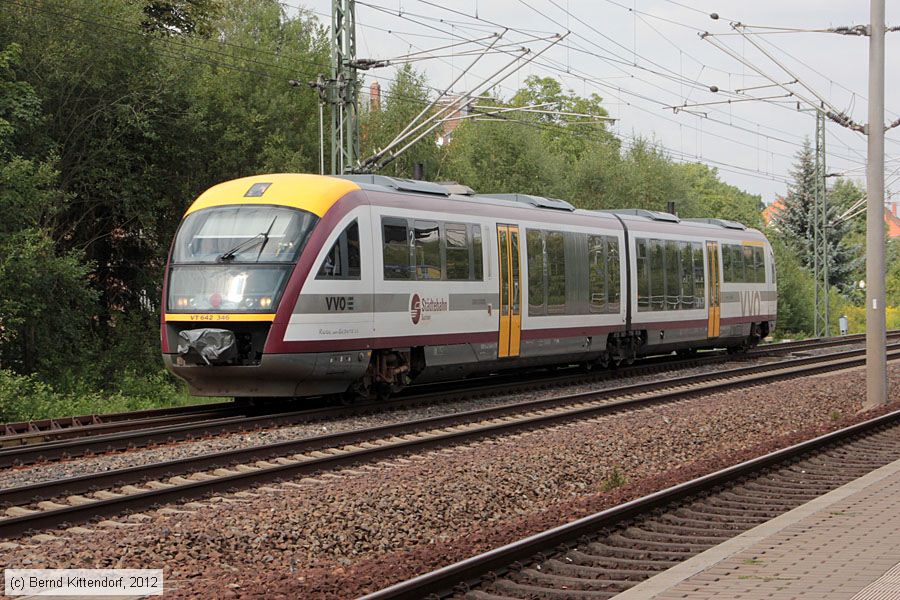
<point x="645" y="56"/>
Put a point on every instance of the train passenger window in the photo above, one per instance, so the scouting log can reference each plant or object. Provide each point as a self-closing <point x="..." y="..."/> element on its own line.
<point x="643" y="274"/>
<point x="477" y="253"/>
<point x="556" y="273"/>
<point x="395" y="248"/>
<point x="657" y="275"/>
<point x="699" y="278"/>
<point x="343" y="260"/>
<point x="727" y="263"/>
<point x="749" y="267"/>
<point x="597" y="269"/>
<point x="427" y="248"/>
<point x="686" y="274"/>
<point x="673" y="278"/>
<point x="534" y="248"/>
<point x="457" y="251"/>
<point x="613" y="289"/>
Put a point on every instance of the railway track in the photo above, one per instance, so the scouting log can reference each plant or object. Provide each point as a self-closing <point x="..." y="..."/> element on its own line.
<point x="76" y="499"/>
<point x="605" y="554"/>
<point x="161" y="426"/>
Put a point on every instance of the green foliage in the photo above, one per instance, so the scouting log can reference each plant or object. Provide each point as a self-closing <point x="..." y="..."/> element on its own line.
<point x="25" y="397"/>
<point x="616" y="479"/>
<point x="502" y="157"/>
<point x="795" y="289"/>
<point x="406" y="97"/>
<point x="708" y="196"/>
<point x="797" y="218"/>
<point x="42" y="303"/>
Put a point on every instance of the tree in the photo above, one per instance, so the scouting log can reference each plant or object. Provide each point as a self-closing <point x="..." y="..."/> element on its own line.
<point x="795" y="222"/>
<point x="498" y="157"/>
<point x="45" y="293"/>
<point x="708" y="196"/>
<point x="406" y="97"/>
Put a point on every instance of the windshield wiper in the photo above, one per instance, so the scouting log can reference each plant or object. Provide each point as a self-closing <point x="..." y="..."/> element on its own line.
<point x="230" y="254"/>
<point x="247" y="244"/>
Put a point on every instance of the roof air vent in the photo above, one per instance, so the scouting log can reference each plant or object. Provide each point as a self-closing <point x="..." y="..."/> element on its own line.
<point x="535" y="201"/>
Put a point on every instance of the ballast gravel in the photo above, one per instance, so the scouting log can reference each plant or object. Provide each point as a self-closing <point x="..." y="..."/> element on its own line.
<point x="343" y="534"/>
<point x="50" y="471"/>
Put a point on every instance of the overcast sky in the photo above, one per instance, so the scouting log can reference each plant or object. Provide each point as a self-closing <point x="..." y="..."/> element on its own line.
<point x="752" y="143"/>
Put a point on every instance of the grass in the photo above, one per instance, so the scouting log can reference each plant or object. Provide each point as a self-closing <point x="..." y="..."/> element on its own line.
<point x="26" y="398"/>
<point x="615" y="479"/>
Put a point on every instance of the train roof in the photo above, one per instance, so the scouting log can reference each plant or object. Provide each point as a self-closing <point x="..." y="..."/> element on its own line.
<point x="318" y="193"/>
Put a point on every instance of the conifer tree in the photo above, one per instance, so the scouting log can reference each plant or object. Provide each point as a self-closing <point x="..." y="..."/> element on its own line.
<point x="795" y="222"/>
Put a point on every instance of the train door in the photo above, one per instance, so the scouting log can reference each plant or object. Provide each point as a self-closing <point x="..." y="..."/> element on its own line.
<point x="715" y="289"/>
<point x="510" y="286"/>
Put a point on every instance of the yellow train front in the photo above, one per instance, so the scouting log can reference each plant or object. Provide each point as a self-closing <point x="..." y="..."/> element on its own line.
<point x="294" y="285"/>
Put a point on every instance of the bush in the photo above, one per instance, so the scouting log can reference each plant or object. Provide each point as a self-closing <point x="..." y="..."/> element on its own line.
<point x="24" y="397"/>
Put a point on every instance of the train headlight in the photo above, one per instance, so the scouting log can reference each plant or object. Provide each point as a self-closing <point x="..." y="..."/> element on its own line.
<point x="265" y="302"/>
<point x="182" y="302"/>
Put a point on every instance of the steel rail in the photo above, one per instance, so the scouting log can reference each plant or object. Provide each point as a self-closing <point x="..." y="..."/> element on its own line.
<point x="130" y="437"/>
<point x="424" y="434"/>
<point x="444" y="581"/>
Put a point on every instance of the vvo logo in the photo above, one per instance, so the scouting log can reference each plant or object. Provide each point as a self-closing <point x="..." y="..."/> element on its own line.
<point x="339" y="303"/>
<point x="751" y="303"/>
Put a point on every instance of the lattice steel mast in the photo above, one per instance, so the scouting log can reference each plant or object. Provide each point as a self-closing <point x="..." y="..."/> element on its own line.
<point x="820" y="233"/>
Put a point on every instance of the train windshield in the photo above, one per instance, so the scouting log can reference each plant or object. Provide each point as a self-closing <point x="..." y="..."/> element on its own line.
<point x="242" y="234"/>
<point x="235" y="258"/>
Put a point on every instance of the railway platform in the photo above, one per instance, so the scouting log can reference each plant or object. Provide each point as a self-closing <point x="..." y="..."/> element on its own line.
<point x="843" y="545"/>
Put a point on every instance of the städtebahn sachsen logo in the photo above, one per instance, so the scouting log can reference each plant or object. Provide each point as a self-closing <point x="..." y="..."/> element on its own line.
<point x="421" y="309"/>
<point x="415" y="309"/>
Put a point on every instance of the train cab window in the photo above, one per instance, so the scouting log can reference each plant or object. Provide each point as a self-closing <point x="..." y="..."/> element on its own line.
<point x="759" y="264"/>
<point x="614" y="279"/>
<point x="534" y="247"/>
<point x="597" y="269"/>
<point x="395" y="249"/>
<point x="556" y="273"/>
<point x="343" y="260"/>
<point x="427" y="247"/>
<point x="643" y="274"/>
<point x="457" y="251"/>
<point x="699" y="277"/>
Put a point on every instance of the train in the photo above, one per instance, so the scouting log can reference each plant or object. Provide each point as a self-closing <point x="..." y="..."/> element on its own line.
<point x="297" y="285"/>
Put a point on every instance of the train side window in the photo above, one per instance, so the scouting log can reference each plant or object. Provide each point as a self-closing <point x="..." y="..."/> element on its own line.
<point x="597" y="270"/>
<point x="749" y="264"/>
<point x="613" y="290"/>
<point x="699" y="278"/>
<point x="477" y="253"/>
<point x="556" y="272"/>
<point x="727" y="263"/>
<point x="534" y="248"/>
<point x="457" y="251"/>
<point x="657" y="275"/>
<point x="427" y="247"/>
<point x="686" y="275"/>
<point x="395" y="248"/>
<point x="643" y="274"/>
<point x="673" y="278"/>
<point x="343" y="260"/>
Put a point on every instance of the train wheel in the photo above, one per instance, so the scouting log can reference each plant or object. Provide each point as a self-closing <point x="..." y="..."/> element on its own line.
<point x="383" y="391"/>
